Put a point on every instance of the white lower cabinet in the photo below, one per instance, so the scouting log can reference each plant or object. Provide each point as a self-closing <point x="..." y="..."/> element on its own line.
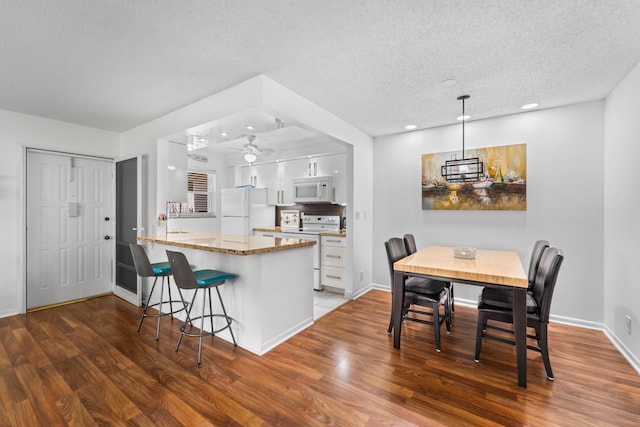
<point x="332" y="261"/>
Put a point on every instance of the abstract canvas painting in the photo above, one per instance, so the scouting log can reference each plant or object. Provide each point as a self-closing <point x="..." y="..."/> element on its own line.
<point x="491" y="178"/>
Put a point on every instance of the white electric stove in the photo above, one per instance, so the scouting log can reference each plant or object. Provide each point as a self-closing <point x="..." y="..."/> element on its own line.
<point x="312" y="226"/>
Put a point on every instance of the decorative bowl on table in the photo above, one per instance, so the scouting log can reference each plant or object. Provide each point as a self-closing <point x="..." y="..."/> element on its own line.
<point x="464" y="253"/>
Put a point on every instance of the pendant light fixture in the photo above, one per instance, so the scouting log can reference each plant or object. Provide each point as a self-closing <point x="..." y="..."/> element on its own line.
<point x="465" y="169"/>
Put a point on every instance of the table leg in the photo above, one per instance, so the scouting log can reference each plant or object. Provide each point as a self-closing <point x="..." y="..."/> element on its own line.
<point x="396" y="305"/>
<point x="520" y="328"/>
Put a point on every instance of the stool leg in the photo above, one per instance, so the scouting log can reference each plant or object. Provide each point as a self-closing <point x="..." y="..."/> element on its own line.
<point x="185" y="305"/>
<point x="170" y="297"/>
<point x="211" y="310"/>
<point x="187" y="320"/>
<point x="227" y="318"/>
<point x="160" y="308"/>
<point x="204" y="299"/>
<point x="146" y="304"/>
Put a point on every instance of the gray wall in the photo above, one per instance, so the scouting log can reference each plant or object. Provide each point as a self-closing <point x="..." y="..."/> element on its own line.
<point x="565" y="193"/>
<point x="622" y="229"/>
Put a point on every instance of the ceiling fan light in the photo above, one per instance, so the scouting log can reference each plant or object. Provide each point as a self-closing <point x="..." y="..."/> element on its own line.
<point x="250" y="157"/>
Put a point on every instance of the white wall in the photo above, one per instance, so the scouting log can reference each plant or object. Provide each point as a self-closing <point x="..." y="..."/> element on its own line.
<point x="16" y="132"/>
<point x="622" y="204"/>
<point x="564" y="199"/>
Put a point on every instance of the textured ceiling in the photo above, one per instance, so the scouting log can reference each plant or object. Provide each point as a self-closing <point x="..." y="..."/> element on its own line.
<point x="376" y="64"/>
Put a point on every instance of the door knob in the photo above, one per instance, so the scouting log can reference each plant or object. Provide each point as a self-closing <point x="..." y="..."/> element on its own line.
<point x="106" y="218"/>
<point x="107" y="237"/>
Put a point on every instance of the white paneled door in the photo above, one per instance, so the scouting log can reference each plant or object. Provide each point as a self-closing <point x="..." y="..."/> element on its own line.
<point x="70" y="223"/>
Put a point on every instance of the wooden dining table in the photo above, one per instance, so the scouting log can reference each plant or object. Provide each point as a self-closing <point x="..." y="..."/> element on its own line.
<point x="490" y="268"/>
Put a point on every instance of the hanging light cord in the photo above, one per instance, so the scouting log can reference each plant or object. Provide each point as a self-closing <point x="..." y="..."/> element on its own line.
<point x="463" y="98"/>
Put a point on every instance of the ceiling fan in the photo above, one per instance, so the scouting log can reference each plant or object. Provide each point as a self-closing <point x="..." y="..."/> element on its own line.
<point x="251" y="150"/>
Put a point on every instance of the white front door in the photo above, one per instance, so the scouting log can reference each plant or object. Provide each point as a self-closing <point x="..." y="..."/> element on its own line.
<point x="69" y="228"/>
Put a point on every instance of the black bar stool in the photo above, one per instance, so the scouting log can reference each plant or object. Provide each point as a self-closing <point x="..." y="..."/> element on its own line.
<point x="186" y="278"/>
<point x="144" y="268"/>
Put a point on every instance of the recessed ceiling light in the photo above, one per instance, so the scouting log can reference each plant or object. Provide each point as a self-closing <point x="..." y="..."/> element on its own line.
<point x="465" y="117"/>
<point x="250" y="127"/>
<point x="448" y="82"/>
<point x="411" y="127"/>
<point x="224" y="134"/>
<point x="530" y="106"/>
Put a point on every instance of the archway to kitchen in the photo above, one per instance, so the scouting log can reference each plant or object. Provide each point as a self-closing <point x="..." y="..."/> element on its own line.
<point x="261" y="150"/>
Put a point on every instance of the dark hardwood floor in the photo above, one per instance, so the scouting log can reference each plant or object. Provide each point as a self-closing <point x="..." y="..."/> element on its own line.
<point x="84" y="364"/>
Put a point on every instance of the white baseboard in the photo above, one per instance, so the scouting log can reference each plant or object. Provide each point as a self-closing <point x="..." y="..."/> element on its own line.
<point x="7" y="313"/>
<point x="631" y="358"/>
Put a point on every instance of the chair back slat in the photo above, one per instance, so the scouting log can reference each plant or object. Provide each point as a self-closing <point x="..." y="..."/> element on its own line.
<point x="545" y="282"/>
<point x="410" y="244"/>
<point x="534" y="261"/>
<point x="395" y="252"/>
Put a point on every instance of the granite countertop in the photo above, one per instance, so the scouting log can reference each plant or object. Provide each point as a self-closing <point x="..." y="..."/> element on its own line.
<point x="231" y="244"/>
<point x="278" y="229"/>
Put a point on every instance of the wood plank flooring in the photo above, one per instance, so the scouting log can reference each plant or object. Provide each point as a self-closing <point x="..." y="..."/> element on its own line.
<point x="84" y="364"/>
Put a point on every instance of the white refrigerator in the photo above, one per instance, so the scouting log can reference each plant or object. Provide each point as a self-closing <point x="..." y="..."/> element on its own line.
<point x="244" y="209"/>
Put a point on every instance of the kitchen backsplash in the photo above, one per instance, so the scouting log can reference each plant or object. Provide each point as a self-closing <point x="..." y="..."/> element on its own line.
<point x="314" y="209"/>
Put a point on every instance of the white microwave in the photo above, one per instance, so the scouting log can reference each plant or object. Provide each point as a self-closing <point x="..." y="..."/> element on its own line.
<point x="315" y="189"/>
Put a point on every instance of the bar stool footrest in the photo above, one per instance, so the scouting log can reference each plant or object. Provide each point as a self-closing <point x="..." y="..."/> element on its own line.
<point x="163" y="313"/>
<point x="203" y="332"/>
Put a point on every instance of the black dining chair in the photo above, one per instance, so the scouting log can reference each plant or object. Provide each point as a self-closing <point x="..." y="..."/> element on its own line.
<point x="538" y="308"/>
<point x="426" y="293"/>
<point x="410" y="245"/>
<point x="500" y="294"/>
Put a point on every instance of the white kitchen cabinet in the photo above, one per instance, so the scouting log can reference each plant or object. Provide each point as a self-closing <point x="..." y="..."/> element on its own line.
<point x="336" y="167"/>
<point x="275" y="177"/>
<point x="332" y="165"/>
<point x="283" y="183"/>
<point x="248" y="175"/>
<point x="332" y="261"/>
<point x="266" y="178"/>
<point x="278" y="177"/>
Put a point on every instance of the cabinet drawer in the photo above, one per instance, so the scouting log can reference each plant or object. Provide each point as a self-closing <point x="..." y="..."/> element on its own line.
<point x="268" y="233"/>
<point x="333" y="241"/>
<point x="332" y="256"/>
<point x="333" y="276"/>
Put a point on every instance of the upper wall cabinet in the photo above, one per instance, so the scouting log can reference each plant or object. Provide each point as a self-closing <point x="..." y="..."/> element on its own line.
<point x="249" y="176"/>
<point x="278" y="177"/>
<point x="332" y="165"/>
<point x="282" y="184"/>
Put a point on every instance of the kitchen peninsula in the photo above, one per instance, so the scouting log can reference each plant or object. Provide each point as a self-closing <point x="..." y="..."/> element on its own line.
<point x="271" y="299"/>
